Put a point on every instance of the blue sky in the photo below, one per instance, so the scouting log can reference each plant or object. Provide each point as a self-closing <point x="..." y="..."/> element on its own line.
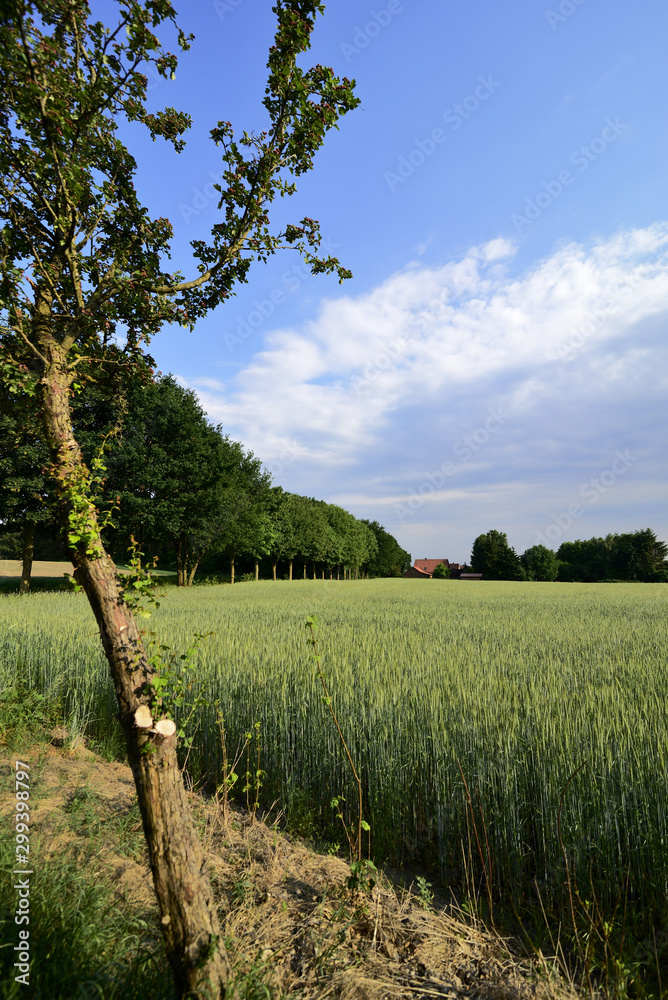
<point x="499" y="358"/>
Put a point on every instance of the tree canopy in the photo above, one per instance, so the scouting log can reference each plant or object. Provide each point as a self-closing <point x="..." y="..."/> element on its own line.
<point x="633" y="556"/>
<point x="540" y="563"/>
<point x="492" y="556"/>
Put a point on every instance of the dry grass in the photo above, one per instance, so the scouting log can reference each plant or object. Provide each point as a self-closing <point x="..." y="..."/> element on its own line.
<point x="289" y="917"/>
<point x="292" y="908"/>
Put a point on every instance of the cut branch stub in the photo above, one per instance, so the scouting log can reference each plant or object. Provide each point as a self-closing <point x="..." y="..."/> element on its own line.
<point x="166" y="727"/>
<point x="143" y="717"/>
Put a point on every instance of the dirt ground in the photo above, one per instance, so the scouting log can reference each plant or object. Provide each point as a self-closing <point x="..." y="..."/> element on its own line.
<point x="282" y="901"/>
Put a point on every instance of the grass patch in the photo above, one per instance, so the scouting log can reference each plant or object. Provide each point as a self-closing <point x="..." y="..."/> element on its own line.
<point x="84" y="943"/>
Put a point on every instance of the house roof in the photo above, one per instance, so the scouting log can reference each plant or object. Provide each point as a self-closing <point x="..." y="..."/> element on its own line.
<point x="415" y="572"/>
<point x="429" y="565"/>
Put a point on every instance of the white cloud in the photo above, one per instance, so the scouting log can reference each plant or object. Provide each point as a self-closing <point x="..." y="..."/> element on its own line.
<point x="380" y="387"/>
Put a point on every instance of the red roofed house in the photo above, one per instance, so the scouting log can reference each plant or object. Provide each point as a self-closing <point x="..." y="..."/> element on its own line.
<point x="424" y="568"/>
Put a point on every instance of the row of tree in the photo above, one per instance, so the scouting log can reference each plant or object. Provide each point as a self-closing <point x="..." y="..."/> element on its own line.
<point x="635" y="555"/>
<point x="183" y="490"/>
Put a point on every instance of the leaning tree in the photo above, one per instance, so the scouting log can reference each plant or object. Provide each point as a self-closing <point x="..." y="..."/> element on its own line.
<point x="82" y="263"/>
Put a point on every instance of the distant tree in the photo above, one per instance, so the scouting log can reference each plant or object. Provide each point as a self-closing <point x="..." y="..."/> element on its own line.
<point x="638" y="555"/>
<point x="242" y="523"/>
<point x="355" y="543"/>
<point x="261" y="534"/>
<point x="441" y="572"/>
<point x="585" y="561"/>
<point x="290" y="515"/>
<point x="391" y="559"/>
<point x="27" y="499"/>
<point x="540" y="563"/>
<point x="368" y="545"/>
<point x="169" y="468"/>
<point x="492" y="556"/>
<point x="315" y="540"/>
<point x="283" y="536"/>
<point x="341" y="537"/>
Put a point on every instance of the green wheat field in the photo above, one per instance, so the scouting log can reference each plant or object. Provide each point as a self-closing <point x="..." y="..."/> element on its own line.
<point x="519" y="685"/>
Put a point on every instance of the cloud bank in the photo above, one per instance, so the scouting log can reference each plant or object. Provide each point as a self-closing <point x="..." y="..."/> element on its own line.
<point x="457" y="398"/>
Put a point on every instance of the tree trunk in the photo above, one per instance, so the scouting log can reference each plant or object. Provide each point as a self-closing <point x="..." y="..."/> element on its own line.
<point x="273" y="571"/>
<point x="232" y="569"/>
<point x="257" y="570"/>
<point x="338" y="572"/>
<point x="193" y="570"/>
<point x="180" y="570"/>
<point x="28" y="549"/>
<point x="314" y="571"/>
<point x="323" y="572"/>
<point x="331" y="573"/>
<point x="290" y="571"/>
<point x="189" y="919"/>
<point x="304" y="570"/>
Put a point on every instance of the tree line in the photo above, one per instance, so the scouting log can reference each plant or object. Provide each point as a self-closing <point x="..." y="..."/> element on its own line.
<point x="186" y="493"/>
<point x="631" y="556"/>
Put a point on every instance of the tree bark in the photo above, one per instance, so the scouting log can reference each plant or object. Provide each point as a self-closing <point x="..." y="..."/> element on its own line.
<point x="290" y="571"/>
<point x="257" y="570"/>
<point x="232" y="569"/>
<point x="193" y="570"/>
<point x="189" y="918"/>
<point x="273" y="571"/>
<point x="314" y="571"/>
<point x="28" y="550"/>
<point x="304" y="570"/>
<point x="180" y="571"/>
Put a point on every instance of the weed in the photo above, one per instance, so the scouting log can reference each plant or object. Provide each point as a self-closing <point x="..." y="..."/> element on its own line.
<point x="425" y="893"/>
